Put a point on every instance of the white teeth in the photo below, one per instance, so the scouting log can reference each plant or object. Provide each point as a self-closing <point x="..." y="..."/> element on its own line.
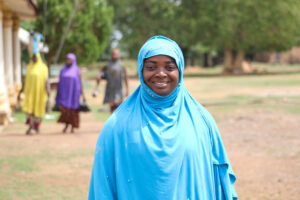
<point x="160" y="84"/>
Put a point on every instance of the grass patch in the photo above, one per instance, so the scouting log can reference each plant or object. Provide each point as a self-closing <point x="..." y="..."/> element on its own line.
<point x="256" y="81"/>
<point x="101" y="116"/>
<point x="37" y="190"/>
<point x="267" y="69"/>
<point x="232" y="99"/>
<point x="21" y="183"/>
<point x="22" y="163"/>
<point x="67" y="156"/>
<point x="23" y="189"/>
<point x="293" y="109"/>
<point x="1" y="165"/>
<point x="29" y="163"/>
<point x="277" y="68"/>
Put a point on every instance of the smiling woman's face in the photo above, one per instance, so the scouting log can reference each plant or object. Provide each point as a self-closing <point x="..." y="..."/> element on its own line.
<point x="161" y="74"/>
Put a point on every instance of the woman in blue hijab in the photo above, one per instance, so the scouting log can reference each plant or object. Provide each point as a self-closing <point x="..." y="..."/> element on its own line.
<point x="161" y="144"/>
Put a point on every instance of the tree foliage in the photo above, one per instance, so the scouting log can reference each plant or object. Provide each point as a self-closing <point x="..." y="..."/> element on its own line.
<point x="89" y="32"/>
<point x="252" y="25"/>
<point x="236" y="27"/>
<point x="139" y="20"/>
<point x="244" y="26"/>
<point x="247" y="26"/>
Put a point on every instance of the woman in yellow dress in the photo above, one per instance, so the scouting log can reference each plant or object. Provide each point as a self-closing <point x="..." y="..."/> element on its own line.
<point x="36" y="91"/>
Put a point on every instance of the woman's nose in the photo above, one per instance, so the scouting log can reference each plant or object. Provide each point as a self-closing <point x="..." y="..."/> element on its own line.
<point x="161" y="73"/>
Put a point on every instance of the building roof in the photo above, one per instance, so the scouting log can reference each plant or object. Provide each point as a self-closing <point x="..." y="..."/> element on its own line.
<point x="24" y="9"/>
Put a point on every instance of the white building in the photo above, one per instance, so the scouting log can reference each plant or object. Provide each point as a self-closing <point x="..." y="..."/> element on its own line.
<point x="11" y="13"/>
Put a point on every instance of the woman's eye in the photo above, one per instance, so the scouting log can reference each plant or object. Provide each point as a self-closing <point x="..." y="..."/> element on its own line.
<point x="171" y="67"/>
<point x="150" y="67"/>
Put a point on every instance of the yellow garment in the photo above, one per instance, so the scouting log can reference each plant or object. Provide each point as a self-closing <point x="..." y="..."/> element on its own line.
<point x="35" y="88"/>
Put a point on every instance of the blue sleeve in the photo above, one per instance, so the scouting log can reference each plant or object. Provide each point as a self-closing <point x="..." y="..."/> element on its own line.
<point x="224" y="177"/>
<point x="103" y="184"/>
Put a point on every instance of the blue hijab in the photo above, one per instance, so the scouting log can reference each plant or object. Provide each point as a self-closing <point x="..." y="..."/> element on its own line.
<point x="161" y="147"/>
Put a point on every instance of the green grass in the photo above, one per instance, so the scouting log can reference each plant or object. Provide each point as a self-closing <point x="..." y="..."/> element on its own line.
<point x="23" y="163"/>
<point x="100" y="116"/>
<point x="19" y="171"/>
<point x="265" y="70"/>
<point x="232" y="99"/>
<point x="23" y="189"/>
<point x="258" y="81"/>
<point x="29" y="163"/>
<point x="19" y="164"/>
<point x="1" y="165"/>
<point x="34" y="190"/>
<point x="277" y="68"/>
<point x="293" y="109"/>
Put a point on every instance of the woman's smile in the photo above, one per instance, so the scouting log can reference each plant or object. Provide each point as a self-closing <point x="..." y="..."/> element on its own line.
<point x="160" y="83"/>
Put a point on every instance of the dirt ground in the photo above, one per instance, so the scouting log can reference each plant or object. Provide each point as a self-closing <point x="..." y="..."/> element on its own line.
<point x="263" y="145"/>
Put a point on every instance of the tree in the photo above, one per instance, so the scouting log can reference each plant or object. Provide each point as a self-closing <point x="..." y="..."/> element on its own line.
<point x="138" y="20"/>
<point x="89" y="32"/>
<point x="243" y="26"/>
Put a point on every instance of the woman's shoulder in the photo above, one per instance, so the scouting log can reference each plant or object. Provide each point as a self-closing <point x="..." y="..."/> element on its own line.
<point x="114" y="126"/>
<point x="205" y="114"/>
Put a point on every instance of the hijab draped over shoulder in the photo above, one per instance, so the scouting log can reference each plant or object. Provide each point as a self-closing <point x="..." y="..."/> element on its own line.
<point x="35" y="88"/>
<point x="161" y="147"/>
<point x="69" y="86"/>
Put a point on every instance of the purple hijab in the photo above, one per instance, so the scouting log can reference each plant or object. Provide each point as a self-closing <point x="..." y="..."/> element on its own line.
<point x="69" y="86"/>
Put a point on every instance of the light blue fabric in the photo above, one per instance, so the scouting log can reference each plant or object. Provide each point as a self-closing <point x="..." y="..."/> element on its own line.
<point x="35" y="47"/>
<point x="161" y="148"/>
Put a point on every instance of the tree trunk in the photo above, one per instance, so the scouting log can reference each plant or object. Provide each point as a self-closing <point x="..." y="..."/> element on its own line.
<point x="205" y="60"/>
<point x="192" y="60"/>
<point x="238" y="61"/>
<point x="228" y="61"/>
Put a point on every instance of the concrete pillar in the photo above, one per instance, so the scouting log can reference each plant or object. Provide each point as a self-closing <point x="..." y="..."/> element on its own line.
<point x="16" y="55"/>
<point x="4" y="103"/>
<point x="8" y="56"/>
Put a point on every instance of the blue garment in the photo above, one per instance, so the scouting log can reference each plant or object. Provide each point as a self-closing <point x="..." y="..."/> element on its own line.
<point x="35" y="47"/>
<point x="161" y="148"/>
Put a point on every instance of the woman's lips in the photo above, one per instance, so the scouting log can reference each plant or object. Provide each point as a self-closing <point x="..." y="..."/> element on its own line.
<point x="160" y="84"/>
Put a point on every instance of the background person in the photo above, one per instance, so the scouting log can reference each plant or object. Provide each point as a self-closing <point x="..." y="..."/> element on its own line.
<point x="115" y="74"/>
<point x="68" y="94"/>
<point x="36" y="91"/>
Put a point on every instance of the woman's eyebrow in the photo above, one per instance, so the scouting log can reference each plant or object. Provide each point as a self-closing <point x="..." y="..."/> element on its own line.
<point x="151" y="61"/>
<point x="170" y="61"/>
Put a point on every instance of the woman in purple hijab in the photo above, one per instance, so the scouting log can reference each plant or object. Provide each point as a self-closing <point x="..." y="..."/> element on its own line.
<point x="68" y="93"/>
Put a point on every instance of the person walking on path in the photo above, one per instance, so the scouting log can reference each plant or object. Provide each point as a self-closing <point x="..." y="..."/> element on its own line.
<point x="68" y="94"/>
<point x="161" y="143"/>
<point x="115" y="74"/>
<point x="36" y="90"/>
